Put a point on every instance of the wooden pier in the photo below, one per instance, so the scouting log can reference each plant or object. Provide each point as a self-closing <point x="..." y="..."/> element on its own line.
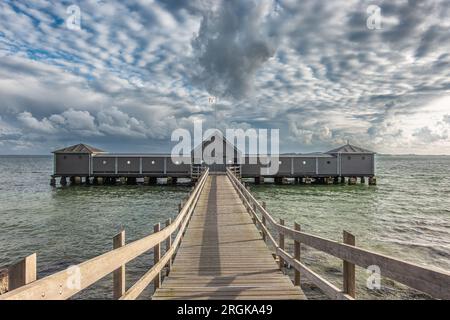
<point x="223" y="255"/>
<point x="221" y="245"/>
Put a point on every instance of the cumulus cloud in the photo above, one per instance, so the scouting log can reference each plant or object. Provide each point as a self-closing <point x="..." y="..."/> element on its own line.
<point x="139" y="69"/>
<point x="233" y="42"/>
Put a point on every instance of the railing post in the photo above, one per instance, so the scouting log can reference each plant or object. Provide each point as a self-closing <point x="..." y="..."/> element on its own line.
<point x="119" y="274"/>
<point x="263" y="218"/>
<point x="281" y="245"/>
<point x="349" y="280"/>
<point x="156" y="257"/>
<point x="3" y="281"/>
<point x="179" y="207"/>
<point x="22" y="273"/>
<point x="168" y="246"/>
<point x="296" y="256"/>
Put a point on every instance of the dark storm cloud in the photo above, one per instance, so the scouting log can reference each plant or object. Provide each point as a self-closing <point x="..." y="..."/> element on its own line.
<point x="232" y="44"/>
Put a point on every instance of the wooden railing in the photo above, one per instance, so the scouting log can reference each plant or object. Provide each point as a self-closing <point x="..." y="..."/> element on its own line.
<point x="66" y="283"/>
<point x="435" y="283"/>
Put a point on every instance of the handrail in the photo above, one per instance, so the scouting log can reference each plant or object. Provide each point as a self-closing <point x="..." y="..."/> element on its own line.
<point x="436" y="283"/>
<point x="66" y="283"/>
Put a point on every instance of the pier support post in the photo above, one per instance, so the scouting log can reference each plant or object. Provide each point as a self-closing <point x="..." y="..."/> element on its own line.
<point x="131" y="181"/>
<point x="156" y="257"/>
<point x="297" y="256"/>
<point x="95" y="181"/>
<point x="169" y="180"/>
<point x="53" y="181"/>
<point x="22" y="273"/>
<point x="342" y="180"/>
<point x="257" y="180"/>
<point x="63" y="181"/>
<point x="87" y="180"/>
<point x="278" y="180"/>
<point x="152" y="180"/>
<point x="372" y="181"/>
<point x="352" y="180"/>
<point x="263" y="219"/>
<point x="336" y="180"/>
<point x="363" y="180"/>
<point x="119" y="274"/>
<point x="308" y="180"/>
<point x="349" y="280"/>
<point x="174" y="180"/>
<point x="281" y="245"/>
<point x="3" y="281"/>
<point x="168" y="246"/>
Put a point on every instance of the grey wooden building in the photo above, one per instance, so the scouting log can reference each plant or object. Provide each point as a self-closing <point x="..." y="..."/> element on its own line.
<point x="82" y="161"/>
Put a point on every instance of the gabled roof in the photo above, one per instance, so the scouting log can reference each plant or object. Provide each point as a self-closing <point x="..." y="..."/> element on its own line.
<point x="348" y="148"/>
<point x="215" y="134"/>
<point x="79" y="148"/>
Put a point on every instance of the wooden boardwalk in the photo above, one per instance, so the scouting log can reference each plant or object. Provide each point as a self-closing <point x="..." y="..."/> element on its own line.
<point x="222" y="255"/>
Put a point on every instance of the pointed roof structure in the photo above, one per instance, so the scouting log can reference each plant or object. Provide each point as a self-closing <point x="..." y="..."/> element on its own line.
<point x="348" y="148"/>
<point x="79" y="148"/>
<point x="216" y="134"/>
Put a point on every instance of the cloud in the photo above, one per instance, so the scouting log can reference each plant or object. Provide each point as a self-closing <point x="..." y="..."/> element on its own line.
<point x="139" y="69"/>
<point x="233" y="43"/>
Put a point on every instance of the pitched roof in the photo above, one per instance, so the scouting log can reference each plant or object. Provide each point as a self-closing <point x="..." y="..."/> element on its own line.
<point x="216" y="134"/>
<point x="348" y="148"/>
<point x="79" y="148"/>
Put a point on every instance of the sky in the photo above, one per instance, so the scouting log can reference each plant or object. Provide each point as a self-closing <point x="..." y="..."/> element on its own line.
<point x="123" y="75"/>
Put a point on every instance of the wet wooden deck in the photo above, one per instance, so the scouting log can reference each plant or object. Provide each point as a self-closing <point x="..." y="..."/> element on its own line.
<point x="222" y="255"/>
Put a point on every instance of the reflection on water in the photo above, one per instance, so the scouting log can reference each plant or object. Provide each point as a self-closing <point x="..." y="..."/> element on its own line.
<point x="407" y="216"/>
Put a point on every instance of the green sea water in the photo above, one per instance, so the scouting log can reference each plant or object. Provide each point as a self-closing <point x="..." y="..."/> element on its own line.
<point x="407" y="215"/>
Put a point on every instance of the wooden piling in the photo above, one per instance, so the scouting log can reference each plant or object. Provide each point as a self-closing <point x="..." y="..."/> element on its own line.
<point x="372" y="181"/>
<point x="119" y="277"/>
<point x="156" y="257"/>
<point x="281" y="245"/>
<point x="63" y="181"/>
<point x="22" y="273"/>
<point x="297" y="256"/>
<point x="168" y="246"/>
<point x="3" y="281"/>
<point x="349" y="279"/>
<point x="263" y="219"/>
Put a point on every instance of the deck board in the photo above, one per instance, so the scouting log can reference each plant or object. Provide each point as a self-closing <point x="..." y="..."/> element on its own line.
<point x="222" y="255"/>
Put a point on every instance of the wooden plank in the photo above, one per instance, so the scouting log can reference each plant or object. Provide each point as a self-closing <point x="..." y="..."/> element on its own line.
<point x="22" y="273"/>
<point x="349" y="279"/>
<point x="119" y="280"/>
<point x="222" y="255"/>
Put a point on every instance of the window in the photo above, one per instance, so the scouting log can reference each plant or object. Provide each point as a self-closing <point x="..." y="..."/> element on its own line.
<point x="105" y="162"/>
<point x="128" y="162"/>
<point x="153" y="161"/>
<point x="304" y="162"/>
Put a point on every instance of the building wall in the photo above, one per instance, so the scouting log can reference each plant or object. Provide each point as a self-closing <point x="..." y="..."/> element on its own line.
<point x="72" y="164"/>
<point x="183" y="166"/>
<point x="104" y="164"/>
<point x="128" y="165"/>
<point x="304" y="166"/>
<point x="153" y="165"/>
<point x="357" y="164"/>
<point x="328" y="166"/>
